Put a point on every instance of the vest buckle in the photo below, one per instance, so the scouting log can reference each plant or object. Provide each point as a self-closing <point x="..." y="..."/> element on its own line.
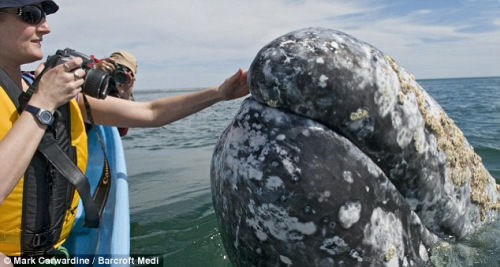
<point x="39" y="239"/>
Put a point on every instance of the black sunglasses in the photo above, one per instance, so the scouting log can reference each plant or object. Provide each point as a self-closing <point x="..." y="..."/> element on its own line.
<point x="30" y="14"/>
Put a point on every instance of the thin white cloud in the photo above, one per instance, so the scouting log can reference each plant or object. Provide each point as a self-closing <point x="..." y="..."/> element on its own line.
<point x="198" y="43"/>
<point x="435" y="51"/>
<point x="423" y="11"/>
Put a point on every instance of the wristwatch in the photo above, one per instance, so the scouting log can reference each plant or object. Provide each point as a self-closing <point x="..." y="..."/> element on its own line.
<point x="44" y="116"/>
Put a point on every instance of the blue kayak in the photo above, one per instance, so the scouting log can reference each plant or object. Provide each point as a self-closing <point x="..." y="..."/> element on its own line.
<point x="111" y="240"/>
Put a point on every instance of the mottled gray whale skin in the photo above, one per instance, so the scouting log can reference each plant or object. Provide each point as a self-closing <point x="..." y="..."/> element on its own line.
<point x="359" y="165"/>
<point x="289" y="191"/>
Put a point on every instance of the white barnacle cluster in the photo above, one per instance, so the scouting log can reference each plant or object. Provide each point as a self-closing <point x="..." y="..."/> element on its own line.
<point x="334" y="44"/>
<point x="323" y="81"/>
<point x="285" y="260"/>
<point x="364" y="75"/>
<point x="334" y="245"/>
<point x="291" y="167"/>
<point x="349" y="214"/>
<point x="347" y="175"/>
<point x="384" y="233"/>
<point x="269" y="219"/>
<point x="387" y="88"/>
<point x="408" y="125"/>
<point x="355" y="255"/>
<point x="463" y="166"/>
<point x="373" y="169"/>
<point x="364" y="72"/>
<point x="274" y="182"/>
<point x="359" y="114"/>
<point x="256" y="139"/>
<point x="246" y="164"/>
<point x="287" y="42"/>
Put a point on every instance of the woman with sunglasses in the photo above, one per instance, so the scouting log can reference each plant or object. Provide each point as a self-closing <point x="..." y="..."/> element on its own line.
<point x="23" y="26"/>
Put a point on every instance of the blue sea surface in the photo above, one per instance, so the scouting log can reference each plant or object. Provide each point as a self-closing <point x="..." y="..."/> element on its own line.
<point x="169" y="176"/>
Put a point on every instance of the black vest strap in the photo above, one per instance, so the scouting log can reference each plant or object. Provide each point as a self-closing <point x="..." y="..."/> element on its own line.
<point x="59" y="159"/>
<point x="11" y="89"/>
<point x="56" y="156"/>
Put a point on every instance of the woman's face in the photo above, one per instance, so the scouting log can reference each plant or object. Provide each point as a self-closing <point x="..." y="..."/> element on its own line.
<point x="20" y="42"/>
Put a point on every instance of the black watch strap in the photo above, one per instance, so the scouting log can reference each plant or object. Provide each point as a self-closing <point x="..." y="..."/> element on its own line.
<point x="44" y="116"/>
<point x="32" y="109"/>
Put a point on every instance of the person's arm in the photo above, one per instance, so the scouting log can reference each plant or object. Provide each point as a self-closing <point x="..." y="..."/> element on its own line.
<point x="123" y="113"/>
<point x="16" y="150"/>
<point x="18" y="146"/>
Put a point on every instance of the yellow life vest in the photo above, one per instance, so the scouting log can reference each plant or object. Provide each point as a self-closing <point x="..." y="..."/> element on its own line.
<point x="11" y="210"/>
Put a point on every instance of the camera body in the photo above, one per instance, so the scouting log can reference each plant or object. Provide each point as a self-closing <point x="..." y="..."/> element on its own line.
<point x="119" y="76"/>
<point x="96" y="83"/>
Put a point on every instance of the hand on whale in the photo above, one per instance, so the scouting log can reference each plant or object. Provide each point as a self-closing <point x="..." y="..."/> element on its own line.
<point x="340" y="157"/>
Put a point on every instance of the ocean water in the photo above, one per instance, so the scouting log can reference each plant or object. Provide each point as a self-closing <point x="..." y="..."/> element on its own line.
<point x="169" y="176"/>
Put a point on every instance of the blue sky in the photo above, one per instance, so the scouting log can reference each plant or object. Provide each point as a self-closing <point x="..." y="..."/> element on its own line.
<point x="468" y="16"/>
<point x="198" y="43"/>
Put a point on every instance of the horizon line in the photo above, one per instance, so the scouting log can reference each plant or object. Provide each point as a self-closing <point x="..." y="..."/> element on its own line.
<point x="191" y="89"/>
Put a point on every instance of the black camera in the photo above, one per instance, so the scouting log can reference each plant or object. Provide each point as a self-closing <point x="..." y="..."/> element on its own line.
<point x="96" y="83"/>
<point x="119" y="76"/>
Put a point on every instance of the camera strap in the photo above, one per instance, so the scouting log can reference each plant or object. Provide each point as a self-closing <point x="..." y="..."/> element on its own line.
<point x="26" y="96"/>
<point x="93" y="205"/>
<point x="102" y="191"/>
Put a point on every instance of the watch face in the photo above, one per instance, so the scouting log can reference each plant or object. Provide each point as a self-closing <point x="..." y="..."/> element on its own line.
<point x="45" y="117"/>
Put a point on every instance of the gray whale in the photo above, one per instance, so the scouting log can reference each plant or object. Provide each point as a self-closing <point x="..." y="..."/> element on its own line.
<point x="341" y="158"/>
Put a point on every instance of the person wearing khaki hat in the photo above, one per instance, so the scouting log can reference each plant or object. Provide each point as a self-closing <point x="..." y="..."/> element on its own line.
<point x="124" y="64"/>
<point x="126" y="59"/>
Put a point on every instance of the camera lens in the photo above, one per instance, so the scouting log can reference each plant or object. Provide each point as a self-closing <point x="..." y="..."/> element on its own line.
<point x="96" y="83"/>
<point x="120" y="76"/>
